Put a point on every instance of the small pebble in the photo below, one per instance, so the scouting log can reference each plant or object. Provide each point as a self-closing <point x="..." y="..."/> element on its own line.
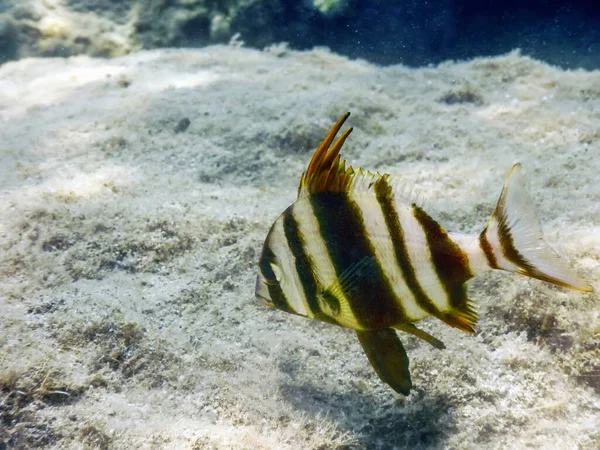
<point x="182" y="125"/>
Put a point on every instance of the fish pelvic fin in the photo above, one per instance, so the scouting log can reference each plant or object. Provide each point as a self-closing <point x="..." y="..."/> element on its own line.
<point x="388" y="357"/>
<point x="513" y="239"/>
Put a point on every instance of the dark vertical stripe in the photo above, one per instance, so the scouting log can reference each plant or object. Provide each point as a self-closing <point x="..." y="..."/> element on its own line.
<point x="487" y="249"/>
<point x="303" y="265"/>
<point x="343" y="231"/>
<point x="509" y="250"/>
<point x="275" y="291"/>
<point x="450" y="262"/>
<point x="392" y="220"/>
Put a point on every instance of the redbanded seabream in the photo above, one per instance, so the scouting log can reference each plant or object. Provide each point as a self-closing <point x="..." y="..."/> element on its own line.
<point x="357" y="250"/>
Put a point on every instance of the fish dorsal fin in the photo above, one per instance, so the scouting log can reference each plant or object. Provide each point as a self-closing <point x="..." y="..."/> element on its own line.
<point x="405" y="192"/>
<point x="327" y="172"/>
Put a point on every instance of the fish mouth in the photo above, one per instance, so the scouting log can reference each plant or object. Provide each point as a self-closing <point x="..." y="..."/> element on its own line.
<point x="265" y="301"/>
<point x="261" y="292"/>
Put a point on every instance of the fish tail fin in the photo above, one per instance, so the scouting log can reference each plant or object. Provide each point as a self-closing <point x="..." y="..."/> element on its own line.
<point x="513" y="239"/>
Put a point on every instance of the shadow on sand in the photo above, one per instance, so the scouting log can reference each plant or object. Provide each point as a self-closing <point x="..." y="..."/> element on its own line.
<point x="422" y="421"/>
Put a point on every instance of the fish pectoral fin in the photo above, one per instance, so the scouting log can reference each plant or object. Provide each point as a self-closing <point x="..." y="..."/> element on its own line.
<point x="412" y="329"/>
<point x="388" y="357"/>
<point x="354" y="275"/>
<point x="332" y="305"/>
<point x="332" y="300"/>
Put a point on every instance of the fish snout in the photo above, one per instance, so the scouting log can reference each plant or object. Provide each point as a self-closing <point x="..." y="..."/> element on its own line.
<point x="262" y="291"/>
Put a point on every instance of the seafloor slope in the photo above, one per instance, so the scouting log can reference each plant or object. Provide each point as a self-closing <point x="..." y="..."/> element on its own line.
<point x="134" y="197"/>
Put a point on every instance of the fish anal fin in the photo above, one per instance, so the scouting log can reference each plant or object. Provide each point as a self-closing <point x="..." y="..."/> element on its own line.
<point x="388" y="357"/>
<point x="412" y="329"/>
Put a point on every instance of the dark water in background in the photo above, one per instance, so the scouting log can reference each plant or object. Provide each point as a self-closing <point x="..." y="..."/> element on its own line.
<point x="417" y="33"/>
<point x="411" y="32"/>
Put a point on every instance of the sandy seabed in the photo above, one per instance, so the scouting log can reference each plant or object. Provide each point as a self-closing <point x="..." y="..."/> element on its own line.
<point x="135" y="194"/>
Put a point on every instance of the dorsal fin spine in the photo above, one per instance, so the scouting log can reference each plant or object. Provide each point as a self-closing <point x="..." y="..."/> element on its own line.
<point x="317" y="160"/>
<point x="323" y="166"/>
<point x="328" y="172"/>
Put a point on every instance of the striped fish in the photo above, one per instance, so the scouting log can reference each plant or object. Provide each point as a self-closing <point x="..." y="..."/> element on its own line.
<point x="356" y="250"/>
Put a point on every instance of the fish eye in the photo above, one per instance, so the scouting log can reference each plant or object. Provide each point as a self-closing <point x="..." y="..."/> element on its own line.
<point x="276" y="271"/>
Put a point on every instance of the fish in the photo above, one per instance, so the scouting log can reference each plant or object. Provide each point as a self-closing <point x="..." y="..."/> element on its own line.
<point x="357" y="249"/>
